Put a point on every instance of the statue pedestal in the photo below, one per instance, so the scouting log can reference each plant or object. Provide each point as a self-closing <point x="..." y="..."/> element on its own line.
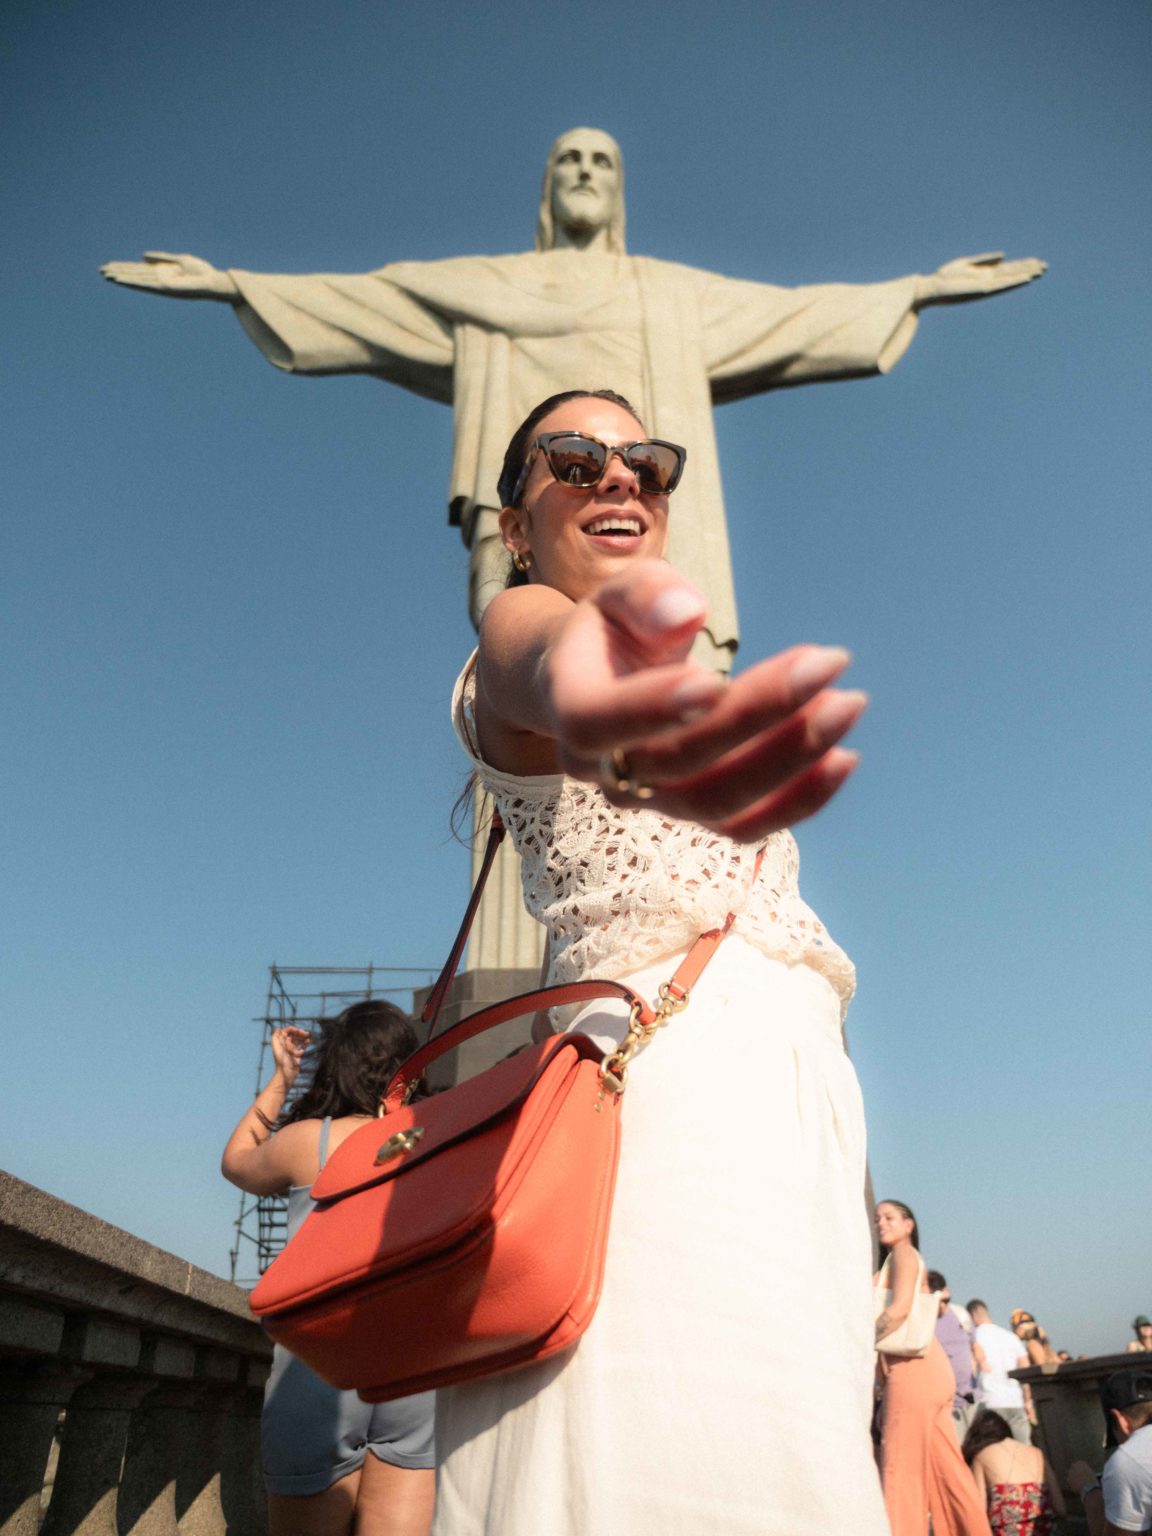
<point x="468" y="994"/>
<point x="504" y="936"/>
<point x="505" y="951"/>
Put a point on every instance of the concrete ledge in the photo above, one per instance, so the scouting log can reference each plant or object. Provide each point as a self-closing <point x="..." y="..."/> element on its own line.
<point x="130" y="1383"/>
<point x="54" y="1252"/>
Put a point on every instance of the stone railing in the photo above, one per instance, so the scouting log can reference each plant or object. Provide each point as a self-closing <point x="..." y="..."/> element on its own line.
<point x="145" y="1372"/>
<point x="1067" y="1402"/>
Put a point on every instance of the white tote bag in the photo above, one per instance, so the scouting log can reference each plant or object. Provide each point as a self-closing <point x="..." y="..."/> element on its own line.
<point x="918" y="1329"/>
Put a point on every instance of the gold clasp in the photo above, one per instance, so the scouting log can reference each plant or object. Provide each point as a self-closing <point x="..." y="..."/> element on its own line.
<point x="401" y="1142"/>
<point x="670" y="1003"/>
<point x="615" y="1081"/>
<point x="614" y="1067"/>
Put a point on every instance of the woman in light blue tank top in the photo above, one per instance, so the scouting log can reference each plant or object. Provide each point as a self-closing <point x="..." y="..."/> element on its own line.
<point x="315" y="1439"/>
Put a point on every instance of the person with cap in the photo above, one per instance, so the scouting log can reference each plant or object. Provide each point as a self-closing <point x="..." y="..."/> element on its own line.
<point x="1119" y="1499"/>
<point x="1142" y="1343"/>
<point x="1033" y="1338"/>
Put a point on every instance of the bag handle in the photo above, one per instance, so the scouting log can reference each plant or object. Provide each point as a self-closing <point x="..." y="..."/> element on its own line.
<point x="435" y="1000"/>
<point x="409" y="1072"/>
<point x="643" y="1021"/>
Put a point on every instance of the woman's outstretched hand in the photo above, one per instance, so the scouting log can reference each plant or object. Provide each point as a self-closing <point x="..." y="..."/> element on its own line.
<point x="746" y="757"/>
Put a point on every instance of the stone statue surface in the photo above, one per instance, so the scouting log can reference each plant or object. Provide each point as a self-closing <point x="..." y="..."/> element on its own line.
<point x="493" y="335"/>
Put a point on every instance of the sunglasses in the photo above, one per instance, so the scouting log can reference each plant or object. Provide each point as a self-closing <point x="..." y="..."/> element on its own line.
<point x="580" y="460"/>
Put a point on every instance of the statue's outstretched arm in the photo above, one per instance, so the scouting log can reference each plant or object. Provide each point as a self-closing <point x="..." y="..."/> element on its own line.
<point x="976" y="277"/>
<point x="178" y="277"/>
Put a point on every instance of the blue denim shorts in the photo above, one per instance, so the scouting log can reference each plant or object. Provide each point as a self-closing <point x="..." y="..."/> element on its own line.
<point x="312" y="1434"/>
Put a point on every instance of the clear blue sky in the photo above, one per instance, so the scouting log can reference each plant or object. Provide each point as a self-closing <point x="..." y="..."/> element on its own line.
<point x="233" y="608"/>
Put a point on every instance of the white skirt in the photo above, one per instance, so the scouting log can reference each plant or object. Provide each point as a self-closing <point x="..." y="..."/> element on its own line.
<point x="724" y="1385"/>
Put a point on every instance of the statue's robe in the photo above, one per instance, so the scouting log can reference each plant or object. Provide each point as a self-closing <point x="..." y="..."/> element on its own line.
<point x="492" y="336"/>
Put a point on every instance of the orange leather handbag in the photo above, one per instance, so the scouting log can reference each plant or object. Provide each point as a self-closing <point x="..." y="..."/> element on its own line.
<point x="465" y="1233"/>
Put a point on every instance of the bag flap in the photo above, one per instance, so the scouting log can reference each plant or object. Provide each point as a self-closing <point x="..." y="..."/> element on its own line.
<point x="412" y="1135"/>
<point x="393" y="1225"/>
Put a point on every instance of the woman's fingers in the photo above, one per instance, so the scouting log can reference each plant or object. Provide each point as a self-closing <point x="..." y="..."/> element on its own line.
<point x="765" y="696"/>
<point x="592" y="720"/>
<point x="759" y="767"/>
<point x="802" y="797"/>
<point x="677" y="722"/>
<point x="289" y="1043"/>
<point x="653" y="609"/>
<point x="754" y="763"/>
<point x="621" y="677"/>
<point x="602" y="692"/>
<point x="630" y="705"/>
<point x="772" y="781"/>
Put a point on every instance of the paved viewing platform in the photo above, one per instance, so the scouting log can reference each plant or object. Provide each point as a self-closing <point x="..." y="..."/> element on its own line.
<point x="144" y="1372"/>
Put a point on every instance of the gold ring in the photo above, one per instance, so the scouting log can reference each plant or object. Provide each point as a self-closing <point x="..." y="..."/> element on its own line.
<point x="616" y="771"/>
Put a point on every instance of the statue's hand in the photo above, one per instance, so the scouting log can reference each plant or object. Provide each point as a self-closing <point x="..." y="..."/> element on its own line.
<point x="180" y="277"/>
<point x="976" y="277"/>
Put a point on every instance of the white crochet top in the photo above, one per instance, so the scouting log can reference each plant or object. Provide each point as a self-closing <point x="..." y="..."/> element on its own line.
<point x="617" y="889"/>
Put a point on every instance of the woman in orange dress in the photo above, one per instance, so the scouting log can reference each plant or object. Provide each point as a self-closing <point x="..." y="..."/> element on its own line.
<point x="923" y="1471"/>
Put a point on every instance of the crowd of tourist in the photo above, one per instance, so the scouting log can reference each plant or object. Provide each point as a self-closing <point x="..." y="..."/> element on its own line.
<point x="958" y="1438"/>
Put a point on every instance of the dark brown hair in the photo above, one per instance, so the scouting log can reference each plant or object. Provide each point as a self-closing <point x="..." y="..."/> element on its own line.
<point x="352" y="1061"/>
<point x="905" y="1210"/>
<point x="988" y="1428"/>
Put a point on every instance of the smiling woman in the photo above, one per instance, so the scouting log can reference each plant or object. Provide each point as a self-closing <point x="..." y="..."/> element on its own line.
<point x="582" y="701"/>
<point x="926" y="1482"/>
<point x="626" y="483"/>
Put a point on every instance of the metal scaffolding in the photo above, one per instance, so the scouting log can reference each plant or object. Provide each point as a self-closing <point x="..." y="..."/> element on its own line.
<point x="304" y="995"/>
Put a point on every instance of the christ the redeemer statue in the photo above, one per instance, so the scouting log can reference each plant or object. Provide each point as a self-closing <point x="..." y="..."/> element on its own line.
<point x="493" y="335"/>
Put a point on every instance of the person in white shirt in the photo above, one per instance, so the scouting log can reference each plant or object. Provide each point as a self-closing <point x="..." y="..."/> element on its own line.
<point x="963" y="1316"/>
<point x="1119" y="1500"/>
<point x="1000" y="1352"/>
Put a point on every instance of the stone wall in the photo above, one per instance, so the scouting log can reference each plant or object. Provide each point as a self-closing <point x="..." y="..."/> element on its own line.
<point x="1071" y="1421"/>
<point x="146" y="1372"/>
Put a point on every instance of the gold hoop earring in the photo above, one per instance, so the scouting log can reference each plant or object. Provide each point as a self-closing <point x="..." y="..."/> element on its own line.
<point x="519" y="562"/>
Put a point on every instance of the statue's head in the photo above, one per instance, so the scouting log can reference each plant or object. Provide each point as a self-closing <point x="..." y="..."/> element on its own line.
<point x="583" y="191"/>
